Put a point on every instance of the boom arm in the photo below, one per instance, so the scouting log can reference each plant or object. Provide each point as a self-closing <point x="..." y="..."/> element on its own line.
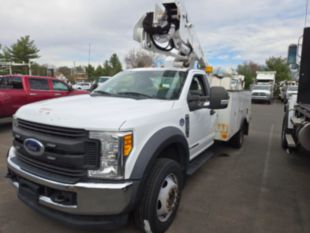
<point x="168" y="31"/>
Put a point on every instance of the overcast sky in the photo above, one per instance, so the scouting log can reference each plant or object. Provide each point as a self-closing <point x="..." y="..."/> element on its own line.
<point x="230" y="31"/>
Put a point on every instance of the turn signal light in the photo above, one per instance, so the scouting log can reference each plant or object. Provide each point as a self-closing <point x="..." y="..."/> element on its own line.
<point x="128" y="143"/>
<point x="209" y="69"/>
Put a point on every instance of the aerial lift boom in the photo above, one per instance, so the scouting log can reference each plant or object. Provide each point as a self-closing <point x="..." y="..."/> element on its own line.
<point x="168" y="31"/>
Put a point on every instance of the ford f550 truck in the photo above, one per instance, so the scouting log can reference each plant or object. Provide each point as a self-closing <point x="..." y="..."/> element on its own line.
<point x="93" y="160"/>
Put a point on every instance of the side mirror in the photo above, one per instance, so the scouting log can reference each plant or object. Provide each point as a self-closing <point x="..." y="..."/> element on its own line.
<point x="196" y="102"/>
<point x="70" y="88"/>
<point x="219" y="98"/>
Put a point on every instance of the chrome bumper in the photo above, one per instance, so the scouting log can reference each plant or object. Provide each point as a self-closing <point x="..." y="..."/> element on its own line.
<point x="92" y="198"/>
<point x="261" y="98"/>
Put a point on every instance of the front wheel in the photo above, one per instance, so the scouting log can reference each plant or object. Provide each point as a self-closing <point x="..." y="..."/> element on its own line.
<point x="161" y="197"/>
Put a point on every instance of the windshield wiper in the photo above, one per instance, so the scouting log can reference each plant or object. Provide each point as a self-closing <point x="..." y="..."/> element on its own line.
<point x="135" y="94"/>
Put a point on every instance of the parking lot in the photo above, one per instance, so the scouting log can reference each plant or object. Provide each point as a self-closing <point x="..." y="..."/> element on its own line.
<point x="256" y="189"/>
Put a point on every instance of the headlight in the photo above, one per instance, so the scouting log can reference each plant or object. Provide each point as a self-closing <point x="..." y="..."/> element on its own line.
<point x="14" y="121"/>
<point x="115" y="147"/>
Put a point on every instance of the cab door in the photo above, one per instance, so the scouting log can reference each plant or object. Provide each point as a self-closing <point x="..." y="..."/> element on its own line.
<point x="12" y="95"/>
<point x="201" y="120"/>
<point x="38" y="89"/>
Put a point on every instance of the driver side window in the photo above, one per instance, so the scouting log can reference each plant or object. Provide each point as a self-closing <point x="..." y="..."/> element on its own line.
<point x="197" y="87"/>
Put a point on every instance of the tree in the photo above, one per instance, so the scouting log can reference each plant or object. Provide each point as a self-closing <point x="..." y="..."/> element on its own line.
<point x="249" y="69"/>
<point x="107" y="69"/>
<point x="279" y="65"/>
<point x="23" y="50"/>
<point x="90" y="71"/>
<point x="115" y="64"/>
<point x="4" y="54"/>
<point x="139" y="58"/>
<point x="98" y="71"/>
<point x="38" y="69"/>
<point x="1" y="54"/>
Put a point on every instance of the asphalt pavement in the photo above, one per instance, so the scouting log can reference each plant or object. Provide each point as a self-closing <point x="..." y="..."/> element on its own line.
<point x="258" y="188"/>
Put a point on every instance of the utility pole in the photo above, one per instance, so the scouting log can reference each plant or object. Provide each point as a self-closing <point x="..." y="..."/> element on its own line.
<point x="89" y="53"/>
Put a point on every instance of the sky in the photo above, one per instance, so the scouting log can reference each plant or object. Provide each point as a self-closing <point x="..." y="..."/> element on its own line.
<point x="230" y="31"/>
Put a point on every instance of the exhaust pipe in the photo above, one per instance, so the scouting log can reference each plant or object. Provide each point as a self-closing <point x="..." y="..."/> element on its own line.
<point x="303" y="135"/>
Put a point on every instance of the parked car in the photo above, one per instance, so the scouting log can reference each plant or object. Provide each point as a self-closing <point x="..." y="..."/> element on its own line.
<point x="82" y="86"/>
<point x="18" y="90"/>
<point x="262" y="92"/>
<point x="291" y="90"/>
<point x="101" y="80"/>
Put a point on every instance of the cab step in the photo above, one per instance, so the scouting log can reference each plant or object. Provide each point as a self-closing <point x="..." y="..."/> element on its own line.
<point x="290" y="141"/>
<point x="200" y="160"/>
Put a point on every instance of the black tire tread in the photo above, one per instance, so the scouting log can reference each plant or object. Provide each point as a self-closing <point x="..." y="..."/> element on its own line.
<point x="150" y="190"/>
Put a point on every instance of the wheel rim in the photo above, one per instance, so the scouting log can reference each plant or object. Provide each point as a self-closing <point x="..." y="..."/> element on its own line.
<point x="167" y="198"/>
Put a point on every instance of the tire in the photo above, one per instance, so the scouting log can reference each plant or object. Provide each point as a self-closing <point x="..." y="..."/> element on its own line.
<point x="238" y="139"/>
<point x="284" y="132"/>
<point x="164" y="184"/>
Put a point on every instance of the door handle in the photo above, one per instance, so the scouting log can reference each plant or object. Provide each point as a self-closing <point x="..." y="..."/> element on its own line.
<point x="33" y="94"/>
<point x="57" y="94"/>
<point x="212" y="112"/>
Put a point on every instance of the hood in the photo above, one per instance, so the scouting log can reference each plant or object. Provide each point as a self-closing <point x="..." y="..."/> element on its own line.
<point x="92" y="113"/>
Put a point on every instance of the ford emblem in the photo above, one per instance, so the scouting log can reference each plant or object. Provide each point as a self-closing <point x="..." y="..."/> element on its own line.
<point x="34" y="147"/>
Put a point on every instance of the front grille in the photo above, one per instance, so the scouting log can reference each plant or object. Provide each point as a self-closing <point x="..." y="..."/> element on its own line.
<point x="68" y="152"/>
<point x="52" y="130"/>
<point x="72" y="172"/>
<point x="258" y="94"/>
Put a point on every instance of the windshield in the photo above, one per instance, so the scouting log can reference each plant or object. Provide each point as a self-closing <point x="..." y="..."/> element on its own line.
<point x="103" y="79"/>
<point x="145" y="84"/>
<point x="262" y="87"/>
<point x="292" y="88"/>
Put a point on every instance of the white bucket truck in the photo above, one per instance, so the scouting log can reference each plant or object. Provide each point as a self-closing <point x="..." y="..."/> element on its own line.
<point x="126" y="148"/>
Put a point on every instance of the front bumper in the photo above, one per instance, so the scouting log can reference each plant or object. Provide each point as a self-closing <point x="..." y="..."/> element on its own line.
<point x="261" y="98"/>
<point x="92" y="199"/>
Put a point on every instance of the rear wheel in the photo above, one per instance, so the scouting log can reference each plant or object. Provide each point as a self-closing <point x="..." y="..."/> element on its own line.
<point x="284" y="132"/>
<point x="238" y="139"/>
<point x="161" y="197"/>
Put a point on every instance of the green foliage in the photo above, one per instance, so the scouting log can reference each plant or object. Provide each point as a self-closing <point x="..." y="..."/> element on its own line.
<point x="110" y="67"/>
<point x="99" y="71"/>
<point x="279" y="65"/>
<point x="38" y="69"/>
<point x="107" y="69"/>
<point x="90" y="71"/>
<point x="1" y="54"/>
<point x="115" y="64"/>
<point x="23" y="50"/>
<point x="248" y="69"/>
